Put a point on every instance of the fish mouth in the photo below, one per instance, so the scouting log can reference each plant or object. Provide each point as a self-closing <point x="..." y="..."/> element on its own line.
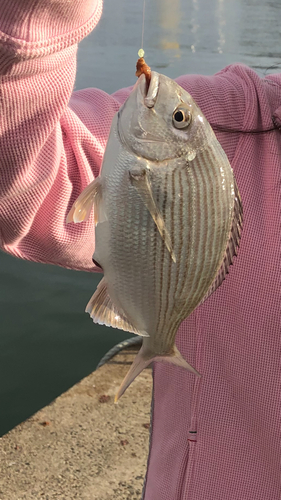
<point x="131" y="126"/>
<point x="149" y="89"/>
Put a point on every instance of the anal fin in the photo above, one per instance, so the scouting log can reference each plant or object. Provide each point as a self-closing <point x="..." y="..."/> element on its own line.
<point x="104" y="312"/>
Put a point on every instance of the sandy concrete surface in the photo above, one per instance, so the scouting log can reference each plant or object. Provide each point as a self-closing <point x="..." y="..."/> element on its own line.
<point x="82" y="446"/>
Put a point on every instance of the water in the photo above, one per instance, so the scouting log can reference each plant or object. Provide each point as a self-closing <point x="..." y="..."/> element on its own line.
<point x="47" y="343"/>
<point x="180" y="36"/>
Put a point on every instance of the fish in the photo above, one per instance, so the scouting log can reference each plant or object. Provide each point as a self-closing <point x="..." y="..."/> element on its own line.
<point x="168" y="219"/>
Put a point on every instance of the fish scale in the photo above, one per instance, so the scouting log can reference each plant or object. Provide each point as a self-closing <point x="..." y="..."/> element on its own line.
<point x="128" y="275"/>
<point x="169" y="219"/>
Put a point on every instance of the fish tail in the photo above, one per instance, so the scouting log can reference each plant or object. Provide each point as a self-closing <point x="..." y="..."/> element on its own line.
<point x="176" y="359"/>
<point x="144" y="358"/>
<point x="141" y="361"/>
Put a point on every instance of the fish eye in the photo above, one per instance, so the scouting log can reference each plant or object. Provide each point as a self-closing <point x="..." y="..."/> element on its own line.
<point x="181" y="117"/>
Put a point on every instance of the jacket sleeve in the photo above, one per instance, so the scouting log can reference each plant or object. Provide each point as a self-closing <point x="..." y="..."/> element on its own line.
<point x="51" y="138"/>
<point x="50" y="148"/>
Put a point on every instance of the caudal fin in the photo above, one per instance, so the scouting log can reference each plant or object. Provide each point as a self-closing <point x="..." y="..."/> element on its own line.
<point x="140" y="362"/>
<point x="143" y="359"/>
<point x="177" y="359"/>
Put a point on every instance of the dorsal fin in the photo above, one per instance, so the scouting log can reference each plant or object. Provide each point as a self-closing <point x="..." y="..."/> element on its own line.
<point x="232" y="244"/>
<point x="104" y="312"/>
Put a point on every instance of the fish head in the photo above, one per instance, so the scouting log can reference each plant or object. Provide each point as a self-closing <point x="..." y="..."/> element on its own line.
<point x="161" y="121"/>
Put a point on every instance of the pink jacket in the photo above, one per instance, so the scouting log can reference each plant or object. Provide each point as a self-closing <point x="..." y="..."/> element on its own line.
<point x="217" y="438"/>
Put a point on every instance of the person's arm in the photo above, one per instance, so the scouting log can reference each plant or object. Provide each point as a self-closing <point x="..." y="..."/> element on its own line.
<point x="53" y="140"/>
<point x="48" y="152"/>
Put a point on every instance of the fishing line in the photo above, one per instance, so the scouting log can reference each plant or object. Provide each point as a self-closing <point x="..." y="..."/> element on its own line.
<point x="141" y="51"/>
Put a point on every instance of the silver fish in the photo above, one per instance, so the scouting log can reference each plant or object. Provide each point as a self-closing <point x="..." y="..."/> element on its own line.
<point x="168" y="219"/>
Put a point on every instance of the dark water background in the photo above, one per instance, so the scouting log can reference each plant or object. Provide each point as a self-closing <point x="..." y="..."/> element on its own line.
<point x="47" y="342"/>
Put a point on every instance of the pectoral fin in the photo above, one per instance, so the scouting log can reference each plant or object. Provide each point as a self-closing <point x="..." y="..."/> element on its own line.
<point x="140" y="180"/>
<point x="92" y="195"/>
<point x="104" y="312"/>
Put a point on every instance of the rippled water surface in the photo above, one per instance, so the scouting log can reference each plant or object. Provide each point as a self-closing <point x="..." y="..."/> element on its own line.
<point x="47" y="343"/>
<point x="180" y="36"/>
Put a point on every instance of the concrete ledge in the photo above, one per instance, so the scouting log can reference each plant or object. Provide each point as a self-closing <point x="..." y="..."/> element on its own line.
<point x="82" y="446"/>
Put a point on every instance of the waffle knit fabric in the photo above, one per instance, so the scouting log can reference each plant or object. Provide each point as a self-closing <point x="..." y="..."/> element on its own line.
<point x="214" y="438"/>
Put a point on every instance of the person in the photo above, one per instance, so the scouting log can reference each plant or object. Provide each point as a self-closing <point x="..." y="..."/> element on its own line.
<point x="214" y="438"/>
